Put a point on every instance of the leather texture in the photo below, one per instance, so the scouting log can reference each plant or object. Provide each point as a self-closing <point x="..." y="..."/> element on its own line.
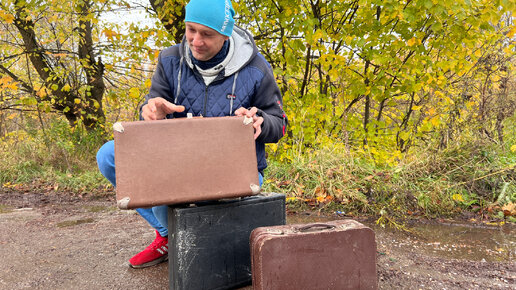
<point x="184" y="160"/>
<point x="331" y="255"/>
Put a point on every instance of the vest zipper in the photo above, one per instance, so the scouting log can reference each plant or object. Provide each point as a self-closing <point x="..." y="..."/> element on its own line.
<point x="205" y="100"/>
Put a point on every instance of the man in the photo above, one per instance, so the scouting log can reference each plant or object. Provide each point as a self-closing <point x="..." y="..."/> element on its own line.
<point x="215" y="71"/>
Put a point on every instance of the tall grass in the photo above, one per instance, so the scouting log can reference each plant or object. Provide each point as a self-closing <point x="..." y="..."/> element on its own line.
<point x="468" y="176"/>
<point x="59" y="156"/>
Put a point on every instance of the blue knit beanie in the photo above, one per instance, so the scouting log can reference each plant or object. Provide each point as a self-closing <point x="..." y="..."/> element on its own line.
<point x="216" y="14"/>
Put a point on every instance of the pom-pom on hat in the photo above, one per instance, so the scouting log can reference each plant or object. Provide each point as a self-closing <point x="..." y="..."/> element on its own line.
<point x="216" y="14"/>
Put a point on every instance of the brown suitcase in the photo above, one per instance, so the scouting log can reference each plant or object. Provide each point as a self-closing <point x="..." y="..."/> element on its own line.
<point x="332" y="255"/>
<point x="184" y="160"/>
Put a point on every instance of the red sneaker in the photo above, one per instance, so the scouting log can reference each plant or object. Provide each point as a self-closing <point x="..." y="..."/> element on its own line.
<point x="154" y="254"/>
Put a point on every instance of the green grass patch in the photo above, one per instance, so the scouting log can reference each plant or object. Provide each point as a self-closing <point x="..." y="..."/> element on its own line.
<point x="5" y="209"/>
<point x="61" y="157"/>
<point x="471" y="177"/>
<point x="468" y="176"/>
<point x="100" y="208"/>
<point x="75" y="222"/>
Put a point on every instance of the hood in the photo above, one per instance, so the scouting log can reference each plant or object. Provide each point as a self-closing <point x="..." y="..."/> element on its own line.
<point x="242" y="47"/>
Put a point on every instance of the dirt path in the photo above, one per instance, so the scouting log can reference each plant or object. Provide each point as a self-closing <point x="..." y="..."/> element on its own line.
<point x="49" y="241"/>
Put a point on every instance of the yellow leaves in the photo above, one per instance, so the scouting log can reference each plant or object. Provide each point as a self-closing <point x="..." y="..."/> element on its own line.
<point x="509" y="209"/>
<point x="11" y="116"/>
<point x="495" y="78"/>
<point x="441" y="79"/>
<point x="513" y="148"/>
<point x="42" y="92"/>
<point x="291" y="199"/>
<point x="28" y="101"/>
<point x="511" y="32"/>
<point x="56" y="54"/>
<point x="413" y="41"/>
<point x="8" y="83"/>
<point x="153" y="54"/>
<point x="458" y="197"/>
<point x="440" y="95"/>
<point x="77" y="101"/>
<point x="7" y="18"/>
<point x="109" y="33"/>
<point x="148" y="83"/>
<point x="333" y="73"/>
<point x="272" y="146"/>
<point x="290" y="10"/>
<point x="495" y="223"/>
<point x="433" y="117"/>
<point x="11" y="185"/>
<point x="431" y="112"/>
<point x="324" y="199"/>
<point x="318" y="34"/>
<point x="313" y="39"/>
<point x="435" y="121"/>
<point x="96" y="104"/>
<point x="134" y="93"/>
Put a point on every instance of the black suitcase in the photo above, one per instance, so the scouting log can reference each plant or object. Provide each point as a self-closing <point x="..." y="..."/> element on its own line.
<point x="209" y="242"/>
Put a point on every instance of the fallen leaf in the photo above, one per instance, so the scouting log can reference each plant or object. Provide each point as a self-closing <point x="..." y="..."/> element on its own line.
<point x="284" y="183"/>
<point x="509" y="209"/>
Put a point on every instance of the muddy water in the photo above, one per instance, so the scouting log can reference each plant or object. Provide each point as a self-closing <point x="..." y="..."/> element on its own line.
<point x="455" y="241"/>
<point x="466" y="242"/>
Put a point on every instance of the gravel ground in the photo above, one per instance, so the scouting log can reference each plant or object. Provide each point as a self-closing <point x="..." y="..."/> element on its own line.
<point x="53" y="241"/>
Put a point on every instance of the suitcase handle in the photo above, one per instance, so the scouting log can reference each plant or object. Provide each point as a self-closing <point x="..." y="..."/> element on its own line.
<point x="315" y="227"/>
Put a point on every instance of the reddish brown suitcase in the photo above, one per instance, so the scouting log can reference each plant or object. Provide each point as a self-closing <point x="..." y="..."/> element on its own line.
<point x="332" y="255"/>
<point x="184" y="160"/>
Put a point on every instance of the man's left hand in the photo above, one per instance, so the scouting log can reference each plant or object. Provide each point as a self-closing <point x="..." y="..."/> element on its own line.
<point x="251" y="113"/>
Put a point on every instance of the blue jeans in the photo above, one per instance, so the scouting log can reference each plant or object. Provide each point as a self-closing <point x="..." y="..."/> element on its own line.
<point x="155" y="216"/>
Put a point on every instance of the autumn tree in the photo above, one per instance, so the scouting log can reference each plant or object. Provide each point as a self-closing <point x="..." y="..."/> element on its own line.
<point x="381" y="74"/>
<point x="56" y="42"/>
<point x="171" y="14"/>
<point x="378" y="76"/>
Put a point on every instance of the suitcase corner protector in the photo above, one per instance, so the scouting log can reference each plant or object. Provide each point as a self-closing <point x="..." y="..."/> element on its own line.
<point x="123" y="203"/>
<point x="255" y="189"/>
<point x="118" y="127"/>
<point x="248" y="120"/>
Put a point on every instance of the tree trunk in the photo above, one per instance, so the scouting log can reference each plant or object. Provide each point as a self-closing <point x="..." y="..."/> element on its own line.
<point x="171" y="13"/>
<point x="92" y="113"/>
<point x="89" y="107"/>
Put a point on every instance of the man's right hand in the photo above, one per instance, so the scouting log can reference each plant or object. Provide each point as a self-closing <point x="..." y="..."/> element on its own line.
<point x="158" y="108"/>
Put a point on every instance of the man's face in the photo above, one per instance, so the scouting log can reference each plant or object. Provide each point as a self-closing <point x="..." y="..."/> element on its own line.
<point x="204" y="42"/>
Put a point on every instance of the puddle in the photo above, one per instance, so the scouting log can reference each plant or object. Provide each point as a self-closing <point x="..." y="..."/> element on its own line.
<point x="489" y="244"/>
<point x="466" y="242"/>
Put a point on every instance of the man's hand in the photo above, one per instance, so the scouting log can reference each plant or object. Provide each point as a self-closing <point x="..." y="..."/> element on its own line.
<point x="257" y="120"/>
<point x="158" y="108"/>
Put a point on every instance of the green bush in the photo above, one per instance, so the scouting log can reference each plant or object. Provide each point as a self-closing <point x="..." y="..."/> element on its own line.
<point x="59" y="155"/>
